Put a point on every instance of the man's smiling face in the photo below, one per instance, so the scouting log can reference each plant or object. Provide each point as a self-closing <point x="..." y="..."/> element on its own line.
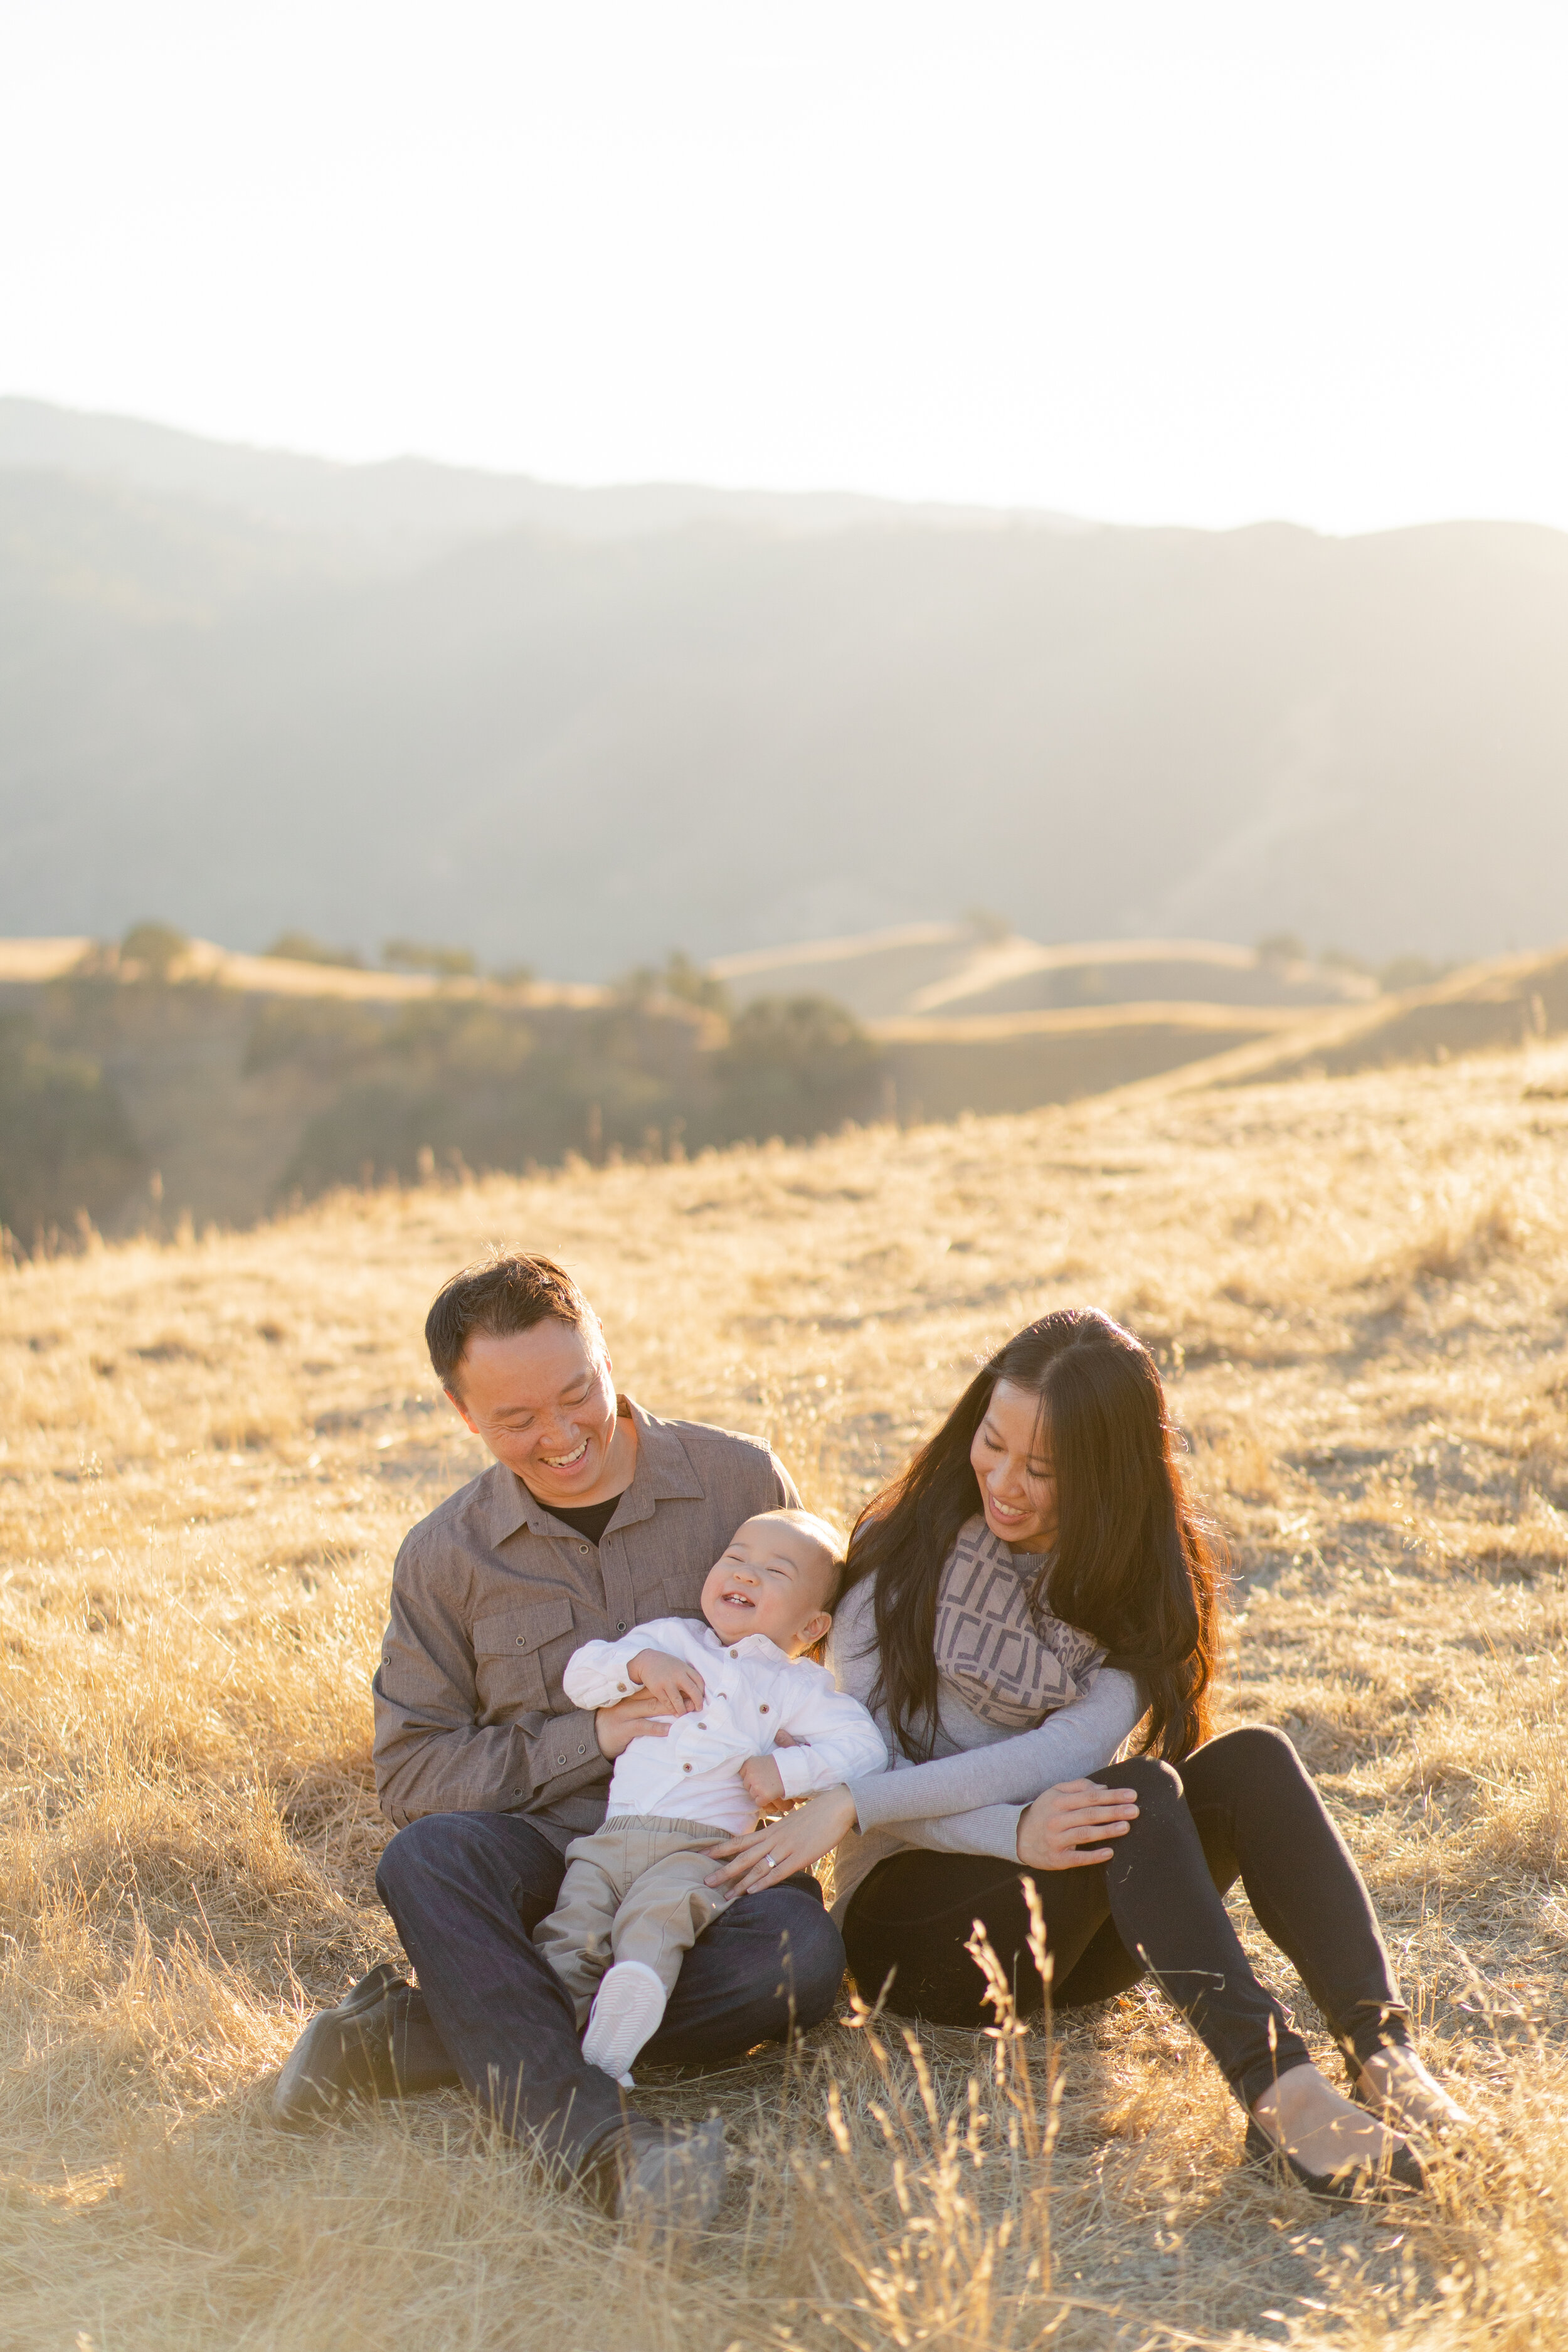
<point x="543" y="1401"/>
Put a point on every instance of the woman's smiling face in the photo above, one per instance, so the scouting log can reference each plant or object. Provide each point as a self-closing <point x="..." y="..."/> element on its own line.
<point x="1011" y="1457"/>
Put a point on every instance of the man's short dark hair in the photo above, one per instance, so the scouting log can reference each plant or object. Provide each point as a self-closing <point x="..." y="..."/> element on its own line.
<point x="509" y="1291"/>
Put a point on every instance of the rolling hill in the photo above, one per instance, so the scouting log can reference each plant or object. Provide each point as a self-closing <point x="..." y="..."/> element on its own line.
<point x="577" y="732"/>
<point x="129" y="1101"/>
<point x="944" y="970"/>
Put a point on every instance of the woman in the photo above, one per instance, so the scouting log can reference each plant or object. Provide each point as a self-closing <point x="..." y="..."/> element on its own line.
<point x="1032" y="1588"/>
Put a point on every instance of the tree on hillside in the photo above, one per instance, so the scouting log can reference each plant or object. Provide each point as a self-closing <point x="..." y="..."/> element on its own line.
<point x="452" y="1080"/>
<point x="156" y="947"/>
<point x="66" y="1144"/>
<point x="299" y="947"/>
<point x="416" y="955"/>
<point x="693" y="985"/>
<point x="321" y="1037"/>
<point x="795" y="1065"/>
<point x="680" y="978"/>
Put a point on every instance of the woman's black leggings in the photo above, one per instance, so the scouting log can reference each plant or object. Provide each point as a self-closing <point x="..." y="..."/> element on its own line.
<point x="1242" y="1806"/>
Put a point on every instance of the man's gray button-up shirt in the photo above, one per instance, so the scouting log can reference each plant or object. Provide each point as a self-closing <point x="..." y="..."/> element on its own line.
<point x="490" y="1595"/>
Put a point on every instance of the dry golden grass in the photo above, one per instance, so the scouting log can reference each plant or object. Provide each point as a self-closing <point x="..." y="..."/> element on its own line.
<point x="1360" y="1290"/>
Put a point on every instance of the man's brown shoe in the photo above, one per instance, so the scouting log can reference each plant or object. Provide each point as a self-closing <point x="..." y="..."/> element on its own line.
<point x="663" y="2178"/>
<point x="343" y="2054"/>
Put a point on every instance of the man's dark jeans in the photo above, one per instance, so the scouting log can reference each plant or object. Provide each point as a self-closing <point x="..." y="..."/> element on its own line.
<point x="466" y="1891"/>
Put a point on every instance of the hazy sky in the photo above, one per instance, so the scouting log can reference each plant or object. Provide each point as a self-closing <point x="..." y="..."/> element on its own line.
<point x="1153" y="260"/>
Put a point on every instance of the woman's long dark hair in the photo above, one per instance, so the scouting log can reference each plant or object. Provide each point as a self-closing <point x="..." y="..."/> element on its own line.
<point x="1132" y="1564"/>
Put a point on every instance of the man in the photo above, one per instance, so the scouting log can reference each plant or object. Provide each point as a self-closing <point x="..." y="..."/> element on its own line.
<point x="593" y="1517"/>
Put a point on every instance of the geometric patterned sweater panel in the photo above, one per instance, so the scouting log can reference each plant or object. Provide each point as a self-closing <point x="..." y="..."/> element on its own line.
<point x="1011" y="1664"/>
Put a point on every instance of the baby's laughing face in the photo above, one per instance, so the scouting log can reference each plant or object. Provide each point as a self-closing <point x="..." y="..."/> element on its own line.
<point x="776" y="1577"/>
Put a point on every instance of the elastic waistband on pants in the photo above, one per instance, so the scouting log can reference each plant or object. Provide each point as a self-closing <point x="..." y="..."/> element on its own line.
<point x="665" y="1822"/>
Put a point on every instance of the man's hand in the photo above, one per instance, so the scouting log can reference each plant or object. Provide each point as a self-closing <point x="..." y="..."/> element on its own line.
<point x="1061" y="1830"/>
<point x="679" y="1688"/>
<point x="761" y="1780"/>
<point x="615" y="1727"/>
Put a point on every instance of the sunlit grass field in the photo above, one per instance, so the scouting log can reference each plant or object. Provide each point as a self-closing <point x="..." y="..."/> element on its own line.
<point x="1359" y="1289"/>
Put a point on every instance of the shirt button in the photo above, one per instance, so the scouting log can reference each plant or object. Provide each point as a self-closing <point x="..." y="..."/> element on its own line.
<point x="685" y="1768"/>
<point x="620" y="1686"/>
<point x="581" y="1751"/>
<point x="763" y="1708"/>
<point x="622" y="1626"/>
<point x="702" y="1726"/>
<point x="734" y="1653"/>
<point x="582" y="1546"/>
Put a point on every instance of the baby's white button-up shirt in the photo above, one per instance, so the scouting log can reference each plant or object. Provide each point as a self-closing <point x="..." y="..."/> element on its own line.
<point x="752" y="1692"/>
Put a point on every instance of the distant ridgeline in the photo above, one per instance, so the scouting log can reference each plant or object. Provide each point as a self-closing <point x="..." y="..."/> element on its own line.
<point x="166" y="1080"/>
<point x="244" y="685"/>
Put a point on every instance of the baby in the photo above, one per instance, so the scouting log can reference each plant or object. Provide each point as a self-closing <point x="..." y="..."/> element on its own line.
<point x="735" y="1686"/>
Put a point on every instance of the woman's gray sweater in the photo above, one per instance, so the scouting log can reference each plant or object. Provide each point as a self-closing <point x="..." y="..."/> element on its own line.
<point x="968" y="1798"/>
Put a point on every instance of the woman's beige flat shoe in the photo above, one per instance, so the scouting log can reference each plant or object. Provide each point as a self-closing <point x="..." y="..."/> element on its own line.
<point x="1355" y="2183"/>
<point x="1396" y="2087"/>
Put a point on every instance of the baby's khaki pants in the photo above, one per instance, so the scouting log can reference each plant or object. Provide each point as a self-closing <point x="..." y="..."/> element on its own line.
<point x="632" y="1891"/>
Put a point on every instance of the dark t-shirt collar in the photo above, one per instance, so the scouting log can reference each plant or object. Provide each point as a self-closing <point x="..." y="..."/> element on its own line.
<point x="590" y="1520"/>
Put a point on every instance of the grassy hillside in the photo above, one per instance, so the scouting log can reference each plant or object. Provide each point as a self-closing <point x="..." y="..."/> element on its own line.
<point x="238" y="1082"/>
<point x="967" y="970"/>
<point x="1017" y="1061"/>
<point x="1359" y="1288"/>
<point x="233" y="1084"/>
<point x="577" y="750"/>
<point x="1516" y="1001"/>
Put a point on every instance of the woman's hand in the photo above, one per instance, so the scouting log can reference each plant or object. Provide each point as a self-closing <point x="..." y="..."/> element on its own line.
<point x="1061" y="1829"/>
<point x="767" y="1856"/>
<point x="615" y="1727"/>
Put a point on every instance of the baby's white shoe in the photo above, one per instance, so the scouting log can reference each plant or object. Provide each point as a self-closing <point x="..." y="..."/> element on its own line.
<point x="625" y="2013"/>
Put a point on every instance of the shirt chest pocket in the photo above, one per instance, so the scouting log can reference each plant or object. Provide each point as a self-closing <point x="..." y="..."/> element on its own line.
<point x="675" y="1594"/>
<point x="514" y="1672"/>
